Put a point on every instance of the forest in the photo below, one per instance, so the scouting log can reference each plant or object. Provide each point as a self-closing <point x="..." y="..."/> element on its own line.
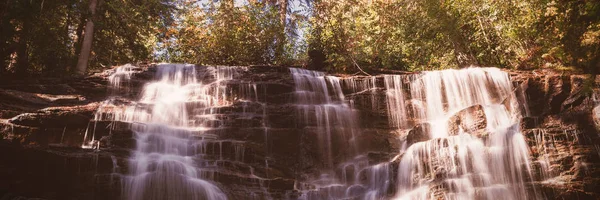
<point x="299" y="99"/>
<point x="77" y="37"/>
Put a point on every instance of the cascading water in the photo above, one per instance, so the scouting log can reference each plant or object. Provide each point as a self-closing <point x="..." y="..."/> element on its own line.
<point x="167" y="163"/>
<point x="322" y="108"/>
<point x="460" y="133"/>
<point x="320" y="102"/>
<point x="360" y="85"/>
<point x="453" y="163"/>
<point x="177" y="153"/>
<point x="459" y="164"/>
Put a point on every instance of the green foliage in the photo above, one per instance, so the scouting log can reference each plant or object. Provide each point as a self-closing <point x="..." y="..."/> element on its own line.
<point x="433" y="34"/>
<point x="221" y="34"/>
<point x="44" y="37"/>
<point x="224" y="35"/>
<point x="127" y="31"/>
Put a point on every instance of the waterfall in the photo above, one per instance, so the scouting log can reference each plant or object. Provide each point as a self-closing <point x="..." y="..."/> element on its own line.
<point x="455" y="162"/>
<point x="164" y="164"/>
<point x="321" y="104"/>
<point x="470" y="145"/>
<point x="322" y="108"/>
<point x="458" y="132"/>
<point x="177" y="153"/>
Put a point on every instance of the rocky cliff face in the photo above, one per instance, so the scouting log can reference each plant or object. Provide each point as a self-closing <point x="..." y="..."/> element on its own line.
<point x="562" y="133"/>
<point x="261" y="151"/>
<point x="560" y="123"/>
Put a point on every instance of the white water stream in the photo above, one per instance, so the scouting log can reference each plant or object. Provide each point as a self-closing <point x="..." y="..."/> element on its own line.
<point x="462" y="165"/>
<point x="175" y="156"/>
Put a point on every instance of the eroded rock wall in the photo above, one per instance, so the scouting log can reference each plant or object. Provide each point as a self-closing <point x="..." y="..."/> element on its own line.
<point x="43" y="126"/>
<point x="561" y="132"/>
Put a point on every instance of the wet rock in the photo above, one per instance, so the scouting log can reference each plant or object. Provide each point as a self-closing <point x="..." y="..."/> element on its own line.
<point x="41" y="158"/>
<point x="562" y="135"/>
<point x="530" y="122"/>
<point x="415" y="109"/>
<point x="12" y="132"/>
<point x="15" y="102"/>
<point x="54" y="117"/>
<point x="57" y="173"/>
<point x="6" y="114"/>
<point x="419" y="133"/>
<point x="471" y="120"/>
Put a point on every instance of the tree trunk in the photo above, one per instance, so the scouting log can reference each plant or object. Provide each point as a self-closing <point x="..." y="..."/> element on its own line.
<point x="283" y="4"/>
<point x="4" y="38"/>
<point x="77" y="44"/>
<point x="88" y="38"/>
<point x="22" y="64"/>
<point x="283" y="11"/>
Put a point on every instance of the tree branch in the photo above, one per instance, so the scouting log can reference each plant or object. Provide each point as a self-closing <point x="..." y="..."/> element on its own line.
<point x="356" y="64"/>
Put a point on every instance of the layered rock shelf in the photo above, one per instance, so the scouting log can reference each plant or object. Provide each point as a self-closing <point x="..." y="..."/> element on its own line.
<point x="263" y="137"/>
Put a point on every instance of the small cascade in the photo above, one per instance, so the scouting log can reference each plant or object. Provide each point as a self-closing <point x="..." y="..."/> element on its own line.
<point x="468" y="154"/>
<point x="544" y="145"/>
<point x="398" y="112"/>
<point x="322" y="109"/>
<point x="177" y="124"/>
<point x="321" y="105"/>
<point x="165" y="163"/>
<point x="121" y="74"/>
<point x="362" y="85"/>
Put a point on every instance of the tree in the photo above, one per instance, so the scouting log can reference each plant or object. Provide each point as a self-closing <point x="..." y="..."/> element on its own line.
<point x="86" y="46"/>
<point x="46" y="37"/>
<point x="433" y="34"/>
<point x="281" y="34"/>
<point x="219" y="33"/>
<point x="56" y="37"/>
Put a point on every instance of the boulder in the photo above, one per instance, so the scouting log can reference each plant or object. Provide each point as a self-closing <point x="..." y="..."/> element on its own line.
<point x="419" y="133"/>
<point x="471" y="120"/>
